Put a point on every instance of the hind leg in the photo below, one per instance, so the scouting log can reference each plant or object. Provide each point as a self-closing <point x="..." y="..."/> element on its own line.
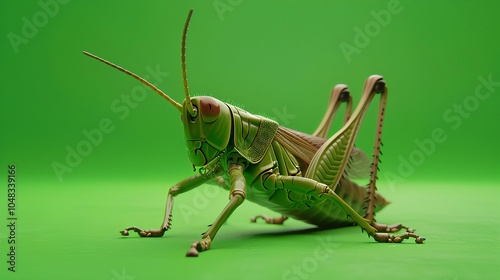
<point x="340" y="94"/>
<point x="390" y="228"/>
<point x="370" y="199"/>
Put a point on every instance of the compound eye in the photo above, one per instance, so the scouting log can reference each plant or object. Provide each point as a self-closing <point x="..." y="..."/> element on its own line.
<point x="210" y="109"/>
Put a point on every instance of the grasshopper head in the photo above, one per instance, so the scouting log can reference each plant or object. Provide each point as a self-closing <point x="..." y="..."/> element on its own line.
<point x="207" y="130"/>
<point x="207" y="121"/>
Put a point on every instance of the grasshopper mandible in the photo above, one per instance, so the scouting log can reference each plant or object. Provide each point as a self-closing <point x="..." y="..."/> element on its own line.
<point x="303" y="176"/>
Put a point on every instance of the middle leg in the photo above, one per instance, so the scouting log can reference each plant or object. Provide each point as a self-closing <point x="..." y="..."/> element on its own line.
<point x="270" y="220"/>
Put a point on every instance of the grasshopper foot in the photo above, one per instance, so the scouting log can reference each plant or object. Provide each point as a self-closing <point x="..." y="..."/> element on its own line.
<point x="384" y="233"/>
<point x="391" y="238"/>
<point x="199" y="246"/>
<point x="144" y="233"/>
<point x="390" y="228"/>
<point x="269" y="220"/>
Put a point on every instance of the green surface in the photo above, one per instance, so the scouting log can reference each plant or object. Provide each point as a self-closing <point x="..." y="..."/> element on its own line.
<point x="275" y="58"/>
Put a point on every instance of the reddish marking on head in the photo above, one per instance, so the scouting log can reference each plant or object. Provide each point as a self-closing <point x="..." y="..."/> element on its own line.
<point x="210" y="109"/>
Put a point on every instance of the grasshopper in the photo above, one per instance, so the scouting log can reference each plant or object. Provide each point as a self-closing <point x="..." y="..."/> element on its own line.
<point x="299" y="175"/>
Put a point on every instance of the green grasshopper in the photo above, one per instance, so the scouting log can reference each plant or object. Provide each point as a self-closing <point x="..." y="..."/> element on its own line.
<point x="303" y="176"/>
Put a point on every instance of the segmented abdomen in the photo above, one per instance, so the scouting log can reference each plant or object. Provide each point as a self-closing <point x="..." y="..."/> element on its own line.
<point x="318" y="211"/>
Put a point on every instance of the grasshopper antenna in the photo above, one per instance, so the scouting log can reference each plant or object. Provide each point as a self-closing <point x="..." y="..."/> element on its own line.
<point x="150" y="85"/>
<point x="189" y="105"/>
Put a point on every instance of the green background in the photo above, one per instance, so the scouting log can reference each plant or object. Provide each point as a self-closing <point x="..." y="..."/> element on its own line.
<point x="275" y="58"/>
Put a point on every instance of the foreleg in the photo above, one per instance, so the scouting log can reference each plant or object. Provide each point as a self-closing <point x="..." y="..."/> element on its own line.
<point x="181" y="187"/>
<point x="236" y="197"/>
